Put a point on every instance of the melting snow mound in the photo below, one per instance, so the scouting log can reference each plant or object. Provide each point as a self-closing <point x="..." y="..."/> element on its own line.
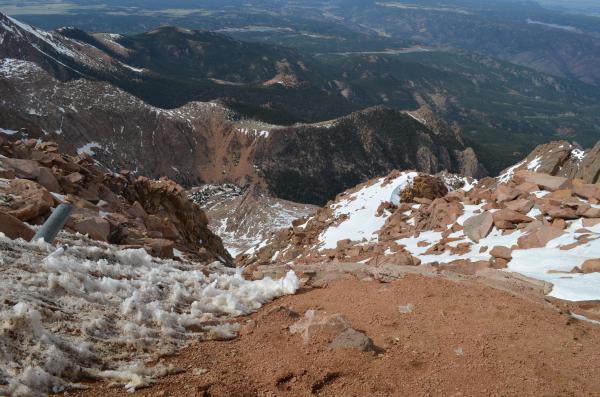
<point x="90" y="311"/>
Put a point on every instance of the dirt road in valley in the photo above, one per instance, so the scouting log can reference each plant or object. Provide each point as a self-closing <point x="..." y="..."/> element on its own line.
<point x="460" y="338"/>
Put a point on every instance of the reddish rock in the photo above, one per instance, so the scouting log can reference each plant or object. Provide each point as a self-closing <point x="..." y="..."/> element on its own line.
<point x="527" y="187"/>
<point x="555" y="211"/>
<point x="591" y="222"/>
<point x="545" y="181"/>
<point x="31" y="200"/>
<point x="90" y="193"/>
<point x="162" y="225"/>
<point x="136" y="210"/>
<point x="352" y="339"/>
<point x="463" y="266"/>
<point x="561" y="195"/>
<point x="398" y="258"/>
<point x="7" y="173"/>
<point x="23" y="168"/>
<point x="591" y="266"/>
<point x="505" y="193"/>
<point x="478" y="226"/>
<point x="500" y="251"/>
<point x="75" y="178"/>
<point x="47" y="179"/>
<point x="160" y="248"/>
<point x="13" y="228"/>
<point x="539" y="237"/>
<point x="441" y="214"/>
<point x="499" y="263"/>
<point x="507" y="218"/>
<point x="520" y="205"/>
<point x="94" y="226"/>
<point x="559" y="224"/>
<point x="591" y="213"/>
<point x="586" y="191"/>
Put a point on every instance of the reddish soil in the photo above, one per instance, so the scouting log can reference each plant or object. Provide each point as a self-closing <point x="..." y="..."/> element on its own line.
<point x="461" y="339"/>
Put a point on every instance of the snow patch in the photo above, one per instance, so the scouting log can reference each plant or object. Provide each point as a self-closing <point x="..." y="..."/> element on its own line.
<point x="360" y="208"/>
<point x="88" y="148"/>
<point x="7" y="131"/>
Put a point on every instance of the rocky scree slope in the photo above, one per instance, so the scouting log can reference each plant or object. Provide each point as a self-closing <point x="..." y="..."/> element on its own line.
<point x="120" y="209"/>
<point x="542" y="226"/>
<point x="244" y="217"/>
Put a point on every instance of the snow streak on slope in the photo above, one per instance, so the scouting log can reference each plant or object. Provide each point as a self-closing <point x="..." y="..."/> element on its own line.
<point x="87" y="312"/>
<point x="360" y="210"/>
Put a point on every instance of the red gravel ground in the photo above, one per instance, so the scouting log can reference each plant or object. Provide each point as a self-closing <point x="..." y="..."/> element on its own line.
<point x="461" y="339"/>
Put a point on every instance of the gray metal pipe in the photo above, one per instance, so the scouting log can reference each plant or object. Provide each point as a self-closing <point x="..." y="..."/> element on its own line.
<point x="54" y="223"/>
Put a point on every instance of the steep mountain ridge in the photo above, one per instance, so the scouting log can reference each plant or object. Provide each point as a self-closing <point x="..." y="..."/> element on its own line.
<point x="207" y="142"/>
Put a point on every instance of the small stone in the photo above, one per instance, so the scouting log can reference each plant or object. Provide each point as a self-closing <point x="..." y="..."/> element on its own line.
<point x="353" y="339"/>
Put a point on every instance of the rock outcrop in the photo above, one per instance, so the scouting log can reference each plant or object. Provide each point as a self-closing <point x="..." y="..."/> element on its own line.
<point x="561" y="159"/>
<point x="119" y="208"/>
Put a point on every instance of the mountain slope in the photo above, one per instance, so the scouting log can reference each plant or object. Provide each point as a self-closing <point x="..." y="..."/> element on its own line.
<point x="206" y="142"/>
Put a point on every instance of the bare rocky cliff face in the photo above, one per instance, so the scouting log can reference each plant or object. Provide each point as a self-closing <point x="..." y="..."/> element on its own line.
<point x="312" y="163"/>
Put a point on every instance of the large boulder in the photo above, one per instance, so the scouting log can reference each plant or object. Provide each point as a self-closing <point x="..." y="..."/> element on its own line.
<point x="505" y="193"/>
<point x="539" y="236"/>
<point x="23" y="168"/>
<point x="508" y="219"/>
<point x="521" y="205"/>
<point x="94" y="226"/>
<point x="589" y="169"/>
<point x="545" y="181"/>
<point x="47" y="179"/>
<point x="479" y="226"/>
<point x="30" y="201"/>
